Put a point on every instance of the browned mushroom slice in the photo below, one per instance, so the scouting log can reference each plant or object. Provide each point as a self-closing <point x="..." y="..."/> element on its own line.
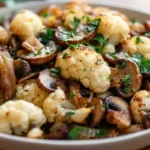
<point x="146" y="85"/>
<point x="147" y="25"/>
<point x="126" y="77"/>
<point x="7" y="75"/>
<point x="46" y="81"/>
<point x="32" y="75"/>
<point x="118" y="112"/>
<point x="43" y="55"/>
<point x="64" y="37"/>
<point x="98" y="112"/>
<point x="146" y="120"/>
<point x="31" y="44"/>
<point x="22" y="68"/>
<point x="132" y="129"/>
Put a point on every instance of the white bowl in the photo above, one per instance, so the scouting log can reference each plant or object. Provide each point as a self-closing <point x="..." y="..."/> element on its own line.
<point x="127" y="142"/>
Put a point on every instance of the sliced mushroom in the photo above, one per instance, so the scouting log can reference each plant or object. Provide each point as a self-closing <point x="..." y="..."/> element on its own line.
<point x="147" y="25"/>
<point x="117" y="74"/>
<point x="146" y="85"/>
<point x="32" y="75"/>
<point x="22" y="68"/>
<point x="64" y="37"/>
<point x="98" y="112"/>
<point x="146" y="120"/>
<point x="132" y="129"/>
<point x="7" y="75"/>
<point x="118" y="112"/>
<point x="42" y="56"/>
<point x="58" y="131"/>
<point x="46" y="81"/>
<point x="31" y="44"/>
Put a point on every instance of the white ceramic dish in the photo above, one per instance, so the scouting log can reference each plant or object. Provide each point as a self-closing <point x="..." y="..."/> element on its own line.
<point x="128" y="142"/>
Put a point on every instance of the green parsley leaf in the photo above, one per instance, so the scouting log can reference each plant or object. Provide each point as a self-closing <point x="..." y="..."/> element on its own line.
<point x="74" y="46"/>
<point x="71" y="10"/>
<point x="47" y="36"/>
<point x="133" y="20"/>
<point x="139" y="40"/>
<point x="126" y="90"/>
<point x="126" y="81"/>
<point x="70" y="113"/>
<point x="76" y="22"/>
<point x="37" y="53"/>
<point x="55" y="72"/>
<point x="93" y="25"/>
<point x="104" y="106"/>
<point x="101" y="133"/>
<point x="113" y="55"/>
<point x="144" y="65"/>
<point x="45" y="15"/>
<point x="64" y="55"/>
<point x="122" y="65"/>
<point x="75" y="132"/>
<point x="71" y="94"/>
<point x="87" y="18"/>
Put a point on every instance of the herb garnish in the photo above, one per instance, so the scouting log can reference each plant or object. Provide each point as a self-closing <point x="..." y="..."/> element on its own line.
<point x="70" y="113"/>
<point x="75" y="22"/>
<point x="74" y="46"/>
<point x="64" y="55"/>
<point x="139" y="40"/>
<point x="133" y="20"/>
<point x="75" y="132"/>
<point x="87" y="18"/>
<point x="47" y="36"/>
<point x="101" y="133"/>
<point x="93" y="25"/>
<point x="144" y="65"/>
<point x="122" y="65"/>
<point x="45" y="15"/>
<point x="55" y="72"/>
<point x="126" y="81"/>
<point x="71" y="94"/>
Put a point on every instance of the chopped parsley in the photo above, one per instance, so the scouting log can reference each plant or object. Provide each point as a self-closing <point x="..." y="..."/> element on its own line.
<point x="55" y="72"/>
<point x="71" y="10"/>
<point x="93" y="25"/>
<point x="126" y="90"/>
<point x="70" y="113"/>
<point x="126" y="80"/>
<point x="133" y="20"/>
<point x="74" y="46"/>
<point x="47" y="36"/>
<point x="64" y="55"/>
<point x="113" y="55"/>
<point x="144" y="65"/>
<point x="87" y="18"/>
<point x="75" y="22"/>
<point x="37" y="53"/>
<point x="104" y="106"/>
<point x="101" y="133"/>
<point x="139" y="40"/>
<point x="71" y="94"/>
<point x="47" y="53"/>
<point x="122" y="65"/>
<point x="45" y="15"/>
<point x="75" y="132"/>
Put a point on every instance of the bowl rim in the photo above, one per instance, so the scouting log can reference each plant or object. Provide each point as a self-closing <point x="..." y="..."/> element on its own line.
<point x="69" y="143"/>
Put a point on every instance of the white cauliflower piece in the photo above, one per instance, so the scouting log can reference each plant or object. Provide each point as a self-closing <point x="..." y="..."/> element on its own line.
<point x="29" y="91"/>
<point x="26" y="24"/>
<point x="109" y="48"/>
<point x="140" y="44"/>
<point x="140" y="104"/>
<point x="17" y="116"/>
<point x="54" y="111"/>
<point x="113" y="27"/>
<point x="86" y="66"/>
<point x="35" y="133"/>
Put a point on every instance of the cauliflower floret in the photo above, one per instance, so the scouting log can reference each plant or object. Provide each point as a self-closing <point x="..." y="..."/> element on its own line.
<point x="35" y="133"/>
<point x="140" y="104"/>
<point x="4" y="36"/>
<point x="26" y="24"/>
<point x="139" y="45"/>
<point x="54" y="111"/>
<point x="87" y="66"/>
<point x="113" y="27"/>
<point x="17" y="116"/>
<point x="109" y="48"/>
<point x="29" y="91"/>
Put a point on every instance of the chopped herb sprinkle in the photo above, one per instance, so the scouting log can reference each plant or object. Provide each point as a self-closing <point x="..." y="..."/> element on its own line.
<point x="55" y="72"/>
<point x="64" y="55"/>
<point x="70" y="113"/>
<point x="139" y="40"/>
<point x="126" y="80"/>
<point x="75" y="132"/>
<point x="71" y="94"/>
<point x="122" y="65"/>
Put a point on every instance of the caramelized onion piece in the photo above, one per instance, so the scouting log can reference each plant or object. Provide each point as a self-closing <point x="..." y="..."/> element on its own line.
<point x="7" y="75"/>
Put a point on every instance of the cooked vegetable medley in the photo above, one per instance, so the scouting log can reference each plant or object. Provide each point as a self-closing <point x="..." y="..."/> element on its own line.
<point x="74" y="72"/>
